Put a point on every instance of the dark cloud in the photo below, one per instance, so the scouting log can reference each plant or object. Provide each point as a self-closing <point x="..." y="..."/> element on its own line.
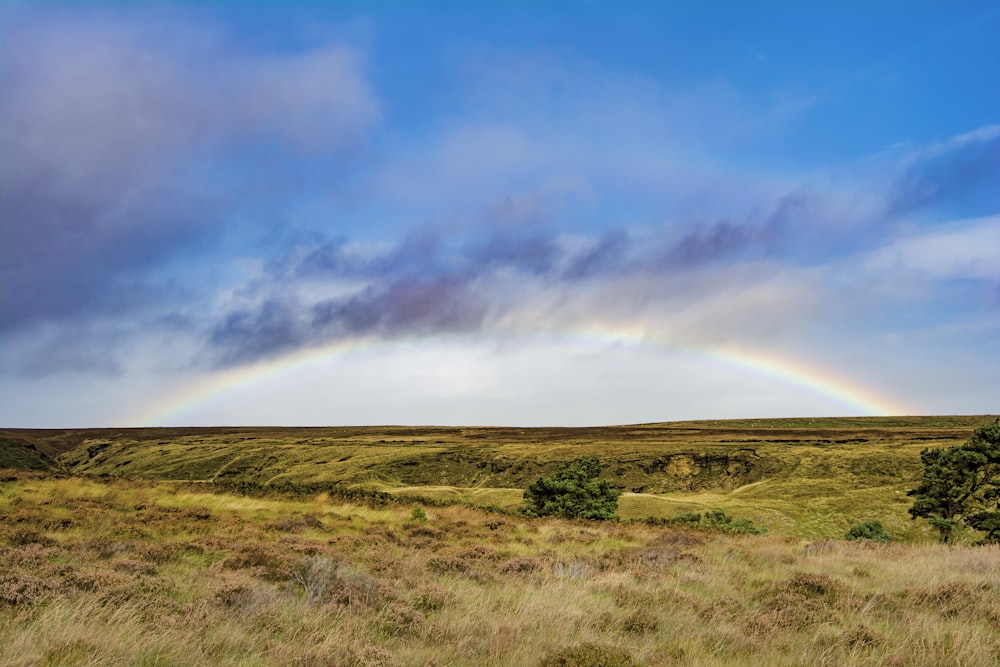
<point x="249" y="334"/>
<point x="423" y="252"/>
<point x="607" y="256"/>
<point x="428" y="283"/>
<point x="405" y="307"/>
<point x="110" y="128"/>
<point x="960" y="177"/>
<point x="533" y="253"/>
<point x="710" y="243"/>
<point x="329" y="259"/>
<point x="415" y="306"/>
<point x="432" y="282"/>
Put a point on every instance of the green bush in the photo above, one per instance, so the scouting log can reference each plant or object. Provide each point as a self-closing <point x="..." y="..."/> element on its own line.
<point x="719" y="520"/>
<point x="573" y="491"/>
<point x="869" y="531"/>
<point x="418" y="514"/>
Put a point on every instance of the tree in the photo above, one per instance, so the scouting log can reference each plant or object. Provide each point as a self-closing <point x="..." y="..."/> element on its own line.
<point x="573" y="491"/>
<point x="961" y="484"/>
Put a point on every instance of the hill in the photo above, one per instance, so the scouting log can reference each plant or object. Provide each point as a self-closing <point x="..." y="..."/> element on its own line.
<point x="807" y="477"/>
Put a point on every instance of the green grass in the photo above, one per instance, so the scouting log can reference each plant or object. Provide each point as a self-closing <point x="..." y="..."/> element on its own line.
<point x="21" y="454"/>
<point x="811" y="478"/>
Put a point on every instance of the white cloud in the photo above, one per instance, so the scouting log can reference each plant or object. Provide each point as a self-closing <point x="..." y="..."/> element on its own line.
<point x="963" y="249"/>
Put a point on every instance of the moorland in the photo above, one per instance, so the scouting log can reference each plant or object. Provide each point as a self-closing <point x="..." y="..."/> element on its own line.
<point x="403" y="546"/>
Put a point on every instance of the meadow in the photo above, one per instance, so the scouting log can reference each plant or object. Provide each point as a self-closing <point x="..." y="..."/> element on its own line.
<point x="313" y="547"/>
<point x="810" y="478"/>
<point x="160" y="573"/>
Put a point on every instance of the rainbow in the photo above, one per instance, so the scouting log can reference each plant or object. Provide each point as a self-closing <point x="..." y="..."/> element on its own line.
<point x="802" y="376"/>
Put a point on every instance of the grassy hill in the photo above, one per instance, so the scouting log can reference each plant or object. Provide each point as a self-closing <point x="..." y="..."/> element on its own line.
<point x="811" y="478"/>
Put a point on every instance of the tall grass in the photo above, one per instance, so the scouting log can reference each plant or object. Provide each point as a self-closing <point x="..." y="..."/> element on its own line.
<point x="158" y="574"/>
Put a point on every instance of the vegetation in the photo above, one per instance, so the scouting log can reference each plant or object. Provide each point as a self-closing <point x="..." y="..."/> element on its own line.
<point x="807" y="478"/>
<point x="588" y="655"/>
<point x="153" y="572"/>
<point x="869" y="531"/>
<point x="313" y="546"/>
<point x="573" y="491"/>
<point x="719" y="520"/>
<point x="961" y="484"/>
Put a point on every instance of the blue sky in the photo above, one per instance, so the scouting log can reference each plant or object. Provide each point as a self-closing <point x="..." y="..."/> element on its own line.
<point x="517" y="213"/>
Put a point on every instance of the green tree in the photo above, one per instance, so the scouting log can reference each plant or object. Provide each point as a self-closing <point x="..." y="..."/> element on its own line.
<point x="573" y="491"/>
<point x="961" y="484"/>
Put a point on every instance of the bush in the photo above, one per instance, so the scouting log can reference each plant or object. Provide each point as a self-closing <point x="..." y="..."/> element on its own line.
<point x="588" y="655"/>
<point x="316" y="574"/>
<point x="719" y="520"/>
<point x="691" y="518"/>
<point x="869" y="531"/>
<point x="573" y="491"/>
<point x="418" y="514"/>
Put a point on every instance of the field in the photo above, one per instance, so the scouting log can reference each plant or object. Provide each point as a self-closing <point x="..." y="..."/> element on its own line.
<point x="306" y="547"/>
<point x="152" y="573"/>
<point x="810" y="478"/>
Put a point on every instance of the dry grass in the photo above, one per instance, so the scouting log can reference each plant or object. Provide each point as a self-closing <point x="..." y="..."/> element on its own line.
<point x="155" y="574"/>
<point x="812" y="478"/>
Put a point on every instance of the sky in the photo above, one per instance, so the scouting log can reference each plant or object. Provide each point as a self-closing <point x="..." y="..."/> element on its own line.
<point x="497" y="213"/>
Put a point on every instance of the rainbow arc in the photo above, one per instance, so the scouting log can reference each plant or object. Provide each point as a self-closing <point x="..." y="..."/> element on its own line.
<point x="802" y="376"/>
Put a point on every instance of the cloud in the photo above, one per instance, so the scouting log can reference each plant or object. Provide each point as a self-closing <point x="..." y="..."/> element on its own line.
<point x="721" y="240"/>
<point x="496" y="276"/>
<point x="535" y="253"/>
<point x="264" y="331"/>
<point x="605" y="256"/>
<point x="122" y="137"/>
<point x="792" y="264"/>
<point x="142" y="151"/>
<point x="408" y="307"/>
<point x="963" y="250"/>
<point x="958" y="175"/>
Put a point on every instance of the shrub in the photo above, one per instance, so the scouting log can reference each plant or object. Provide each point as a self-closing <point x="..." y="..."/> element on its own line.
<point x="316" y="575"/>
<point x="418" y="514"/>
<point x="399" y="620"/>
<point x="520" y="565"/>
<point x="640" y="621"/>
<point x="588" y="655"/>
<point x="432" y="597"/>
<point x="688" y="518"/>
<point x="719" y="520"/>
<point x="23" y="589"/>
<point x="573" y="491"/>
<point x="295" y="524"/>
<point x="869" y="531"/>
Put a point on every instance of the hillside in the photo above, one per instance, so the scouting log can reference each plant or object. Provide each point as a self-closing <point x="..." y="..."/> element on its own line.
<point x="807" y="477"/>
